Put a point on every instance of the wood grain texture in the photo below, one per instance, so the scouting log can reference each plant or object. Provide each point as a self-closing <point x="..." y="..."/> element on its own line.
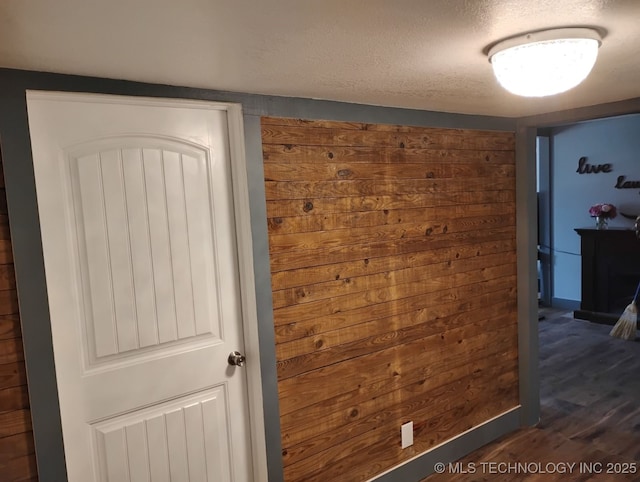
<point x="14" y="422"/>
<point x="589" y="410"/>
<point x="289" y="153"/>
<point x="393" y="263"/>
<point x="373" y="136"/>
<point x="20" y="469"/>
<point x="10" y="326"/>
<point x="6" y="254"/>
<point x="17" y="454"/>
<point x="436" y="258"/>
<point x="8" y="302"/>
<point x="300" y="433"/>
<point x="12" y="375"/>
<point x="17" y="445"/>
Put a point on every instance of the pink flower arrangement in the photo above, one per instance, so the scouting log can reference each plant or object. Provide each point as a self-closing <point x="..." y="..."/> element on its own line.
<point x="605" y="210"/>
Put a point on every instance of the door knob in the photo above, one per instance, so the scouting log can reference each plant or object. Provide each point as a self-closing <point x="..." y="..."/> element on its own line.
<point x="236" y="359"/>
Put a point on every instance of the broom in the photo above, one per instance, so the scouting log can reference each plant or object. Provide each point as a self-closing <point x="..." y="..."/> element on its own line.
<point x="627" y="325"/>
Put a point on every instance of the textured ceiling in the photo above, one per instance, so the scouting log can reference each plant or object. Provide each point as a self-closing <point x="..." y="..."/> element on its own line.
<point x="421" y="54"/>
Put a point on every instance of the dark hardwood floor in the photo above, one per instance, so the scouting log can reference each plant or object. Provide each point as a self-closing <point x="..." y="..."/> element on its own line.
<point x="590" y="412"/>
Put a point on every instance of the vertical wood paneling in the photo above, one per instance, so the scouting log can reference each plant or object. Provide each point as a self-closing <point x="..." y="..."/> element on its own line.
<point x="216" y="447"/>
<point x="137" y="453"/>
<point x="91" y="205"/>
<point x="17" y="453"/>
<point x="119" y="250"/>
<point x="158" y="449"/>
<point x="177" y="443"/>
<point x="195" y="442"/>
<point x="196" y="188"/>
<point x="145" y="217"/>
<point x="160" y="245"/>
<point x="393" y="264"/>
<point x="179" y="237"/>
<point x="141" y="258"/>
<point x="115" y="446"/>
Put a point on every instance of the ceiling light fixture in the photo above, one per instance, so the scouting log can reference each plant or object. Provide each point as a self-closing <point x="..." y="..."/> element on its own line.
<point x="545" y="63"/>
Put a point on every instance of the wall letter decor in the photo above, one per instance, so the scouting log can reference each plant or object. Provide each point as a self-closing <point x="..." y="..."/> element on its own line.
<point x="585" y="168"/>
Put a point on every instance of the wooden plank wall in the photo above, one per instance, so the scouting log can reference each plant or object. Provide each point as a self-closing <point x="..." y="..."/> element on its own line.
<point x="17" y="454"/>
<point x="393" y="260"/>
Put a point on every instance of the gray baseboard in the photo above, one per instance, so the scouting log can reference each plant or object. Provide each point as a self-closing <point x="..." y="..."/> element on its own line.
<point x="423" y="465"/>
<point x="563" y="304"/>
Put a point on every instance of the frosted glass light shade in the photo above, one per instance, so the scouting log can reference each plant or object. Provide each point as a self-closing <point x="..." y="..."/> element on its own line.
<point x="545" y="63"/>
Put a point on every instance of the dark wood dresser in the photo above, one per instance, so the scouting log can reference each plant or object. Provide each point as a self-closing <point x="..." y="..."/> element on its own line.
<point x="610" y="273"/>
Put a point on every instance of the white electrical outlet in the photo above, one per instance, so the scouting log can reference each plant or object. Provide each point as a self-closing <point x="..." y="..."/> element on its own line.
<point x="406" y="430"/>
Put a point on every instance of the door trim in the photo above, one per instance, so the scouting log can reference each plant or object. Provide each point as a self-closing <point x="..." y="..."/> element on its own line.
<point x="244" y="243"/>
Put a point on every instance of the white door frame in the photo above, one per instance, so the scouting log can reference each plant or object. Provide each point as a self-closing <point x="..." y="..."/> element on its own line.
<point x="240" y="188"/>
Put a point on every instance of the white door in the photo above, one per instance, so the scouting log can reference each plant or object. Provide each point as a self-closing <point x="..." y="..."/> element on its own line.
<point x="139" y="239"/>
